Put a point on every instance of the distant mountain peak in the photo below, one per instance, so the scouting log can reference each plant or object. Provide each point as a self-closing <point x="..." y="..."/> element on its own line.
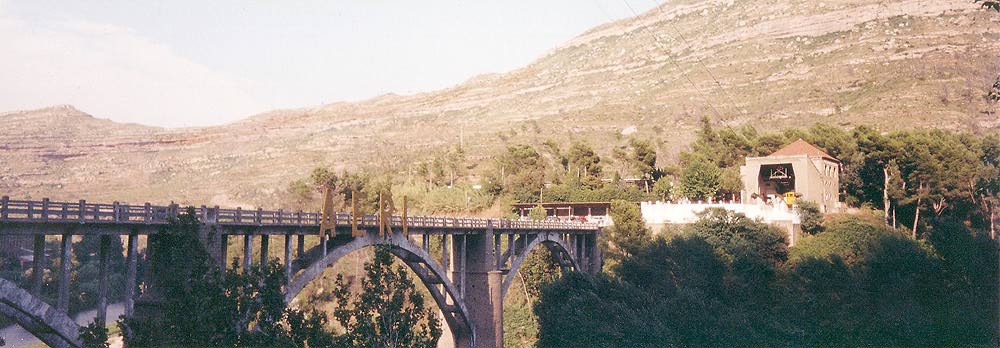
<point x="50" y="111"/>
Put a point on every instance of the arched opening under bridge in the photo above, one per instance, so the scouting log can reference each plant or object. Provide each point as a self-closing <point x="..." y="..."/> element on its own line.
<point x="430" y="273"/>
<point x="51" y="326"/>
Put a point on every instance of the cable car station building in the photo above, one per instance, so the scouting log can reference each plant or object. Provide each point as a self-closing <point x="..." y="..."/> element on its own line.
<point x="796" y="171"/>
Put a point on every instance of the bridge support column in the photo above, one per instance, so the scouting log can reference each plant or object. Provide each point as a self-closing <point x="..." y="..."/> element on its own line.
<point x="38" y="265"/>
<point x="149" y="305"/>
<point x="301" y="246"/>
<point x="445" y="261"/>
<point x="130" y="269"/>
<point x="288" y="257"/>
<point x="495" y="279"/>
<point x="264" y="240"/>
<point x="223" y="255"/>
<point x="247" y="252"/>
<point x="65" y="260"/>
<point x="102" y="281"/>
<point x="594" y="262"/>
<point x="481" y="286"/>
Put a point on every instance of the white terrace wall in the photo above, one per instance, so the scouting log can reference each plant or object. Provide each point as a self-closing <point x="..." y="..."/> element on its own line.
<point x="658" y="214"/>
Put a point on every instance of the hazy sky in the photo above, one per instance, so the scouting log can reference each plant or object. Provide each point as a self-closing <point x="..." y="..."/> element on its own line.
<point x="190" y="63"/>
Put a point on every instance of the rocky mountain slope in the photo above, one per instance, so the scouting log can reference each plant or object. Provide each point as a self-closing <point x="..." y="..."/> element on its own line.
<point x="770" y="63"/>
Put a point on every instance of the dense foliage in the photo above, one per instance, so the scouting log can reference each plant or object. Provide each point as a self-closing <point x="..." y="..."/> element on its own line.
<point x="83" y="270"/>
<point x="918" y="180"/>
<point x="199" y="307"/>
<point x="389" y="312"/>
<point x="916" y="177"/>
<point x="730" y="281"/>
<point x="628" y="234"/>
<point x="811" y="218"/>
<point x="94" y="335"/>
<point x="537" y="213"/>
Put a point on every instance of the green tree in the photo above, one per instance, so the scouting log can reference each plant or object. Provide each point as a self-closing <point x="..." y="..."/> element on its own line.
<point x="810" y="218"/>
<point x="988" y="184"/>
<point x="643" y="156"/>
<point x="599" y="312"/>
<point x="520" y="172"/>
<point x="730" y="184"/>
<point x="662" y="188"/>
<point x="726" y="282"/>
<point x="94" y="335"/>
<point x="388" y="313"/>
<point x="537" y="213"/>
<point x="424" y="172"/>
<point x="860" y="283"/>
<point x="848" y="237"/>
<point x="938" y="170"/>
<point x="366" y="187"/>
<point x="583" y="158"/>
<point x="737" y="235"/>
<point x="989" y="4"/>
<point x="539" y="268"/>
<point x="200" y="308"/>
<point x="322" y="177"/>
<point x="438" y="171"/>
<point x="836" y="141"/>
<point x="700" y="181"/>
<point x="875" y="178"/>
<point x="85" y="287"/>
<point x="629" y="232"/>
<point x="455" y="161"/>
<point x="767" y="144"/>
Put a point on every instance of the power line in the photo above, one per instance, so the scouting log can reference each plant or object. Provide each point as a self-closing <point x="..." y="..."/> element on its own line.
<point x="658" y="42"/>
<point x="629" y="7"/>
<point x="732" y="103"/>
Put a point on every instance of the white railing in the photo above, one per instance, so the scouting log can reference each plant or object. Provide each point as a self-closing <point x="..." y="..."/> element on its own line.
<point x="682" y="213"/>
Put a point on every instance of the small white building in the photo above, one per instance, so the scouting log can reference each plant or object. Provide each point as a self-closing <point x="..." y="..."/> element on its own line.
<point x="771" y="184"/>
<point x="658" y="214"/>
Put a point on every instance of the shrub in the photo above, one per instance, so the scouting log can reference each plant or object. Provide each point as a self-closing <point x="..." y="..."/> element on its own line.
<point x="811" y="219"/>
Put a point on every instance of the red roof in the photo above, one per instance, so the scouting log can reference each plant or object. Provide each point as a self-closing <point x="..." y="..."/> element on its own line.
<point x="801" y="147"/>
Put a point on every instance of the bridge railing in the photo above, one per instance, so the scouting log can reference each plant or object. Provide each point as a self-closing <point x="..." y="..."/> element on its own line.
<point x="45" y="211"/>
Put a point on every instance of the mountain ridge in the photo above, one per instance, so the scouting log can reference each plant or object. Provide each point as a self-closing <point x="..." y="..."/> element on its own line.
<point x="772" y="64"/>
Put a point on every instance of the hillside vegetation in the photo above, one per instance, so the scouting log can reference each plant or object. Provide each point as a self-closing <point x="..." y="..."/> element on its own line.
<point x="775" y="64"/>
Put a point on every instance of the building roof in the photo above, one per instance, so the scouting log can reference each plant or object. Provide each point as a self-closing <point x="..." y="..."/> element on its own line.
<point x="801" y="147"/>
<point x="562" y="204"/>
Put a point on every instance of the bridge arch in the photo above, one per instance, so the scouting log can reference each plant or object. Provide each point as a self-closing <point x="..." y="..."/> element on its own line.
<point x="552" y="241"/>
<point x="51" y="326"/>
<point x="430" y="272"/>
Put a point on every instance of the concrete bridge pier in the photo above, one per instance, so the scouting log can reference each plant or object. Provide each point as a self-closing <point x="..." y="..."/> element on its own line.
<point x="65" y="257"/>
<point x="149" y="303"/>
<point x="264" y="241"/>
<point x="37" y="264"/>
<point x="473" y="269"/>
<point x="131" y="263"/>
<point x="247" y="252"/>
<point x="102" y="280"/>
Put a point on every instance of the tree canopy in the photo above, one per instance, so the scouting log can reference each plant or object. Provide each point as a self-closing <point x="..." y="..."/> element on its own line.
<point x="729" y="281"/>
<point x="388" y="313"/>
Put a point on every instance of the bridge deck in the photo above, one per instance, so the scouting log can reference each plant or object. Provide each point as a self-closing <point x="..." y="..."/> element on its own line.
<point x="45" y="212"/>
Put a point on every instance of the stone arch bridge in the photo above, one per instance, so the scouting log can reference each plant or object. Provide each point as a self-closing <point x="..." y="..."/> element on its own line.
<point x="467" y="278"/>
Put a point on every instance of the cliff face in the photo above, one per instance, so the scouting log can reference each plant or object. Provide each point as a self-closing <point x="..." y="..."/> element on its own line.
<point x="770" y="63"/>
